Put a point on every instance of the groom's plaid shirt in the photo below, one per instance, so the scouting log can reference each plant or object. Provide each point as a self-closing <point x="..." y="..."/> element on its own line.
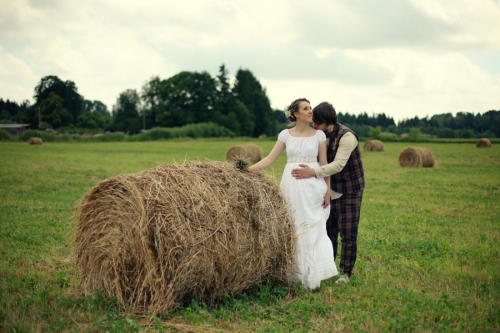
<point x="352" y="178"/>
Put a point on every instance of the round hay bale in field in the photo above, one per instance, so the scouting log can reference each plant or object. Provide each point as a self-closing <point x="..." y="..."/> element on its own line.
<point x="164" y="236"/>
<point x="416" y="157"/>
<point x="253" y="151"/>
<point x="35" y="141"/>
<point x="373" y="145"/>
<point x="483" y="143"/>
<point x="246" y="151"/>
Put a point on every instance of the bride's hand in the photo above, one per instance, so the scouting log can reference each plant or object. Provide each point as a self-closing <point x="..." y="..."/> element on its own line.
<point x="326" y="200"/>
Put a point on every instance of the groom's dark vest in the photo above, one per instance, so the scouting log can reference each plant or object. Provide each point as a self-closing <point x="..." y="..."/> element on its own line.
<point x="352" y="178"/>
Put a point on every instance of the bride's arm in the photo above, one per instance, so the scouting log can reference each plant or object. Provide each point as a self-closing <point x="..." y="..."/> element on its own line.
<point x="323" y="161"/>
<point x="269" y="159"/>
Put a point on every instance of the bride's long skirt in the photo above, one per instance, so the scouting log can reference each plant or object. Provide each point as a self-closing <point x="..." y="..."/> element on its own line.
<point x="314" y="251"/>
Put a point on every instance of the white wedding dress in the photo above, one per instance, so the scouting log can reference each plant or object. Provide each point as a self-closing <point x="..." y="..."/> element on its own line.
<point x="314" y="251"/>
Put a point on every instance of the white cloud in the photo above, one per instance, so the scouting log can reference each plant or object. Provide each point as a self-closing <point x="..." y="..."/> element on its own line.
<point x="475" y="24"/>
<point x="420" y="84"/>
<point x="16" y="77"/>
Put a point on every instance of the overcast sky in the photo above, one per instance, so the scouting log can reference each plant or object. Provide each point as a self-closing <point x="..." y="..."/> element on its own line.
<point x="404" y="58"/>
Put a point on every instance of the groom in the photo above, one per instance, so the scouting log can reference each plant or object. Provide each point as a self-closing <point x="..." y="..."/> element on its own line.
<point x="347" y="184"/>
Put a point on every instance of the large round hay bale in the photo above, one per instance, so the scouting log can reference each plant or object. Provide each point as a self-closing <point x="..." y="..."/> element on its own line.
<point x="416" y="157"/>
<point x="373" y="145"/>
<point x="246" y="151"/>
<point x="163" y="236"/>
<point x="35" y="141"/>
<point x="483" y="143"/>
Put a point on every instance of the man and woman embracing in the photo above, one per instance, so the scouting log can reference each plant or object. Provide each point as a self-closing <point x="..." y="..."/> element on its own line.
<point x="323" y="181"/>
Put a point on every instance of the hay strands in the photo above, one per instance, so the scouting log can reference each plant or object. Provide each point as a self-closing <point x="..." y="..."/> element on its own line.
<point x="241" y="163"/>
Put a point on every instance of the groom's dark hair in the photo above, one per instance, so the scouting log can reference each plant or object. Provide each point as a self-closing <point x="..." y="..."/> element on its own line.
<point x="324" y="113"/>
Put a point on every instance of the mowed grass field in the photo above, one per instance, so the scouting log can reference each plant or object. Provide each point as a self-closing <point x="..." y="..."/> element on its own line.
<point x="429" y="253"/>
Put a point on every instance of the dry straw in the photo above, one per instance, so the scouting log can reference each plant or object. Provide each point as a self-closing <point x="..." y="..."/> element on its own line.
<point x="373" y="145"/>
<point x="247" y="151"/>
<point x="34" y="141"/>
<point x="483" y="143"/>
<point x="416" y="157"/>
<point x="164" y="236"/>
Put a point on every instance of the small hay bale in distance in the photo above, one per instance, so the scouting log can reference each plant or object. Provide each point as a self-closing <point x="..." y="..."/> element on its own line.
<point x="483" y="143"/>
<point x="416" y="157"/>
<point x="35" y="141"/>
<point x="164" y="236"/>
<point x="246" y="151"/>
<point x="373" y="145"/>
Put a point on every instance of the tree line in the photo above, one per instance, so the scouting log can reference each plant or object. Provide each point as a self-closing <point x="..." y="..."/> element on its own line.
<point x="196" y="97"/>
<point x="464" y="125"/>
<point x="185" y="98"/>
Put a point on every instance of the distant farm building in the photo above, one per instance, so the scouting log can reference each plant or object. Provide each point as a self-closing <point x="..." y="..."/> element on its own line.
<point x="15" y="129"/>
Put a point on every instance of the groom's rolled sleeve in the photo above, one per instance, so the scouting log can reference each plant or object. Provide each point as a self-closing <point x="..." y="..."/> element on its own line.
<point x="346" y="145"/>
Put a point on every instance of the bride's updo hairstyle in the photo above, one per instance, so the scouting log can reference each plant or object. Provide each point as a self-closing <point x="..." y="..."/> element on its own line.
<point x="324" y="113"/>
<point x="294" y="107"/>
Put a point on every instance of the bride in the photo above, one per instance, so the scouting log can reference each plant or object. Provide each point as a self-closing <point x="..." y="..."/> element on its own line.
<point x="309" y="198"/>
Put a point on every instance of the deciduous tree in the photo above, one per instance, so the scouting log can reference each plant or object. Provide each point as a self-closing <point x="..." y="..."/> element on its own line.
<point x="53" y="111"/>
<point x="69" y="99"/>
<point x="187" y="98"/>
<point x="126" y="112"/>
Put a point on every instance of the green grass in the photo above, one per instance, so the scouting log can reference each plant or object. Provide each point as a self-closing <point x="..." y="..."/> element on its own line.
<point x="428" y="246"/>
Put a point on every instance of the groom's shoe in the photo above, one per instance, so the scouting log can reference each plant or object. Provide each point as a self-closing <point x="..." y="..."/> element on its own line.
<point x="344" y="278"/>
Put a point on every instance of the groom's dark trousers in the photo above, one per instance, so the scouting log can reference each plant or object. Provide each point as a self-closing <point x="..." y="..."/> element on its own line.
<point x="344" y="219"/>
